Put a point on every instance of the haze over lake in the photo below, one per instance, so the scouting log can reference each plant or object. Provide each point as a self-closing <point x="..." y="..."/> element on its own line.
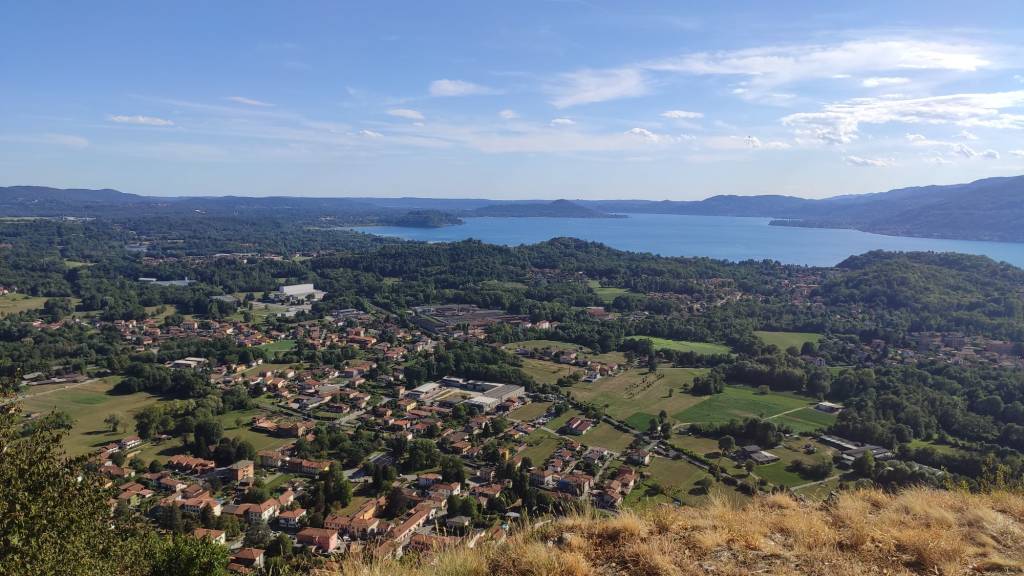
<point x="721" y="237"/>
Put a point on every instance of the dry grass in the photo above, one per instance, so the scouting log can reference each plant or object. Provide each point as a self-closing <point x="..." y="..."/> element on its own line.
<point x="918" y="531"/>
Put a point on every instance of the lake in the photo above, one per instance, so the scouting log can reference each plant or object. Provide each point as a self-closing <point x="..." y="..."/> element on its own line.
<point x="721" y="237"/>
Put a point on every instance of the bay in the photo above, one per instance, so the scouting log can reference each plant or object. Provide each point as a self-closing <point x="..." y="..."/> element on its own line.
<point x="720" y="237"/>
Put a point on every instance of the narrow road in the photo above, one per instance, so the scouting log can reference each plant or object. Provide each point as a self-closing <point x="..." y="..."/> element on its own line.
<point x="836" y="477"/>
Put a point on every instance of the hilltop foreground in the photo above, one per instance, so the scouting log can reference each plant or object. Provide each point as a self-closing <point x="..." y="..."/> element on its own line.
<point x="918" y="531"/>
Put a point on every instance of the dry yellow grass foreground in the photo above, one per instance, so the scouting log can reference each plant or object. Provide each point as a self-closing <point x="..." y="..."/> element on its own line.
<point x="918" y="531"/>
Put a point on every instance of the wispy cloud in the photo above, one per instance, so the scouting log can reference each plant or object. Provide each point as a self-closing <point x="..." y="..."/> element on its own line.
<point x="140" y="120"/>
<point x="1017" y="153"/>
<point x="840" y="123"/>
<point x="248" y="101"/>
<point x="68" y="140"/>
<point x="446" y="87"/>
<point x="406" y="113"/>
<point x="591" y="86"/>
<point x="879" y="81"/>
<point x="681" y="115"/>
<point x="562" y="122"/>
<point x="508" y="114"/>
<point x="869" y="162"/>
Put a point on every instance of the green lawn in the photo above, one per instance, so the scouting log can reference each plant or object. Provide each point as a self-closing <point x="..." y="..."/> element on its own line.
<point x="559" y="421"/>
<point x="738" y="402"/>
<point x="530" y="411"/>
<point x="279" y="346"/>
<point x="605" y="436"/>
<point x="88" y="404"/>
<point x="806" y="420"/>
<point x="16" y="303"/>
<point x="669" y="480"/>
<point x="687" y="346"/>
<point x="543" y="371"/>
<point x="788" y="452"/>
<point x="784" y="340"/>
<point x="539" y="445"/>
<point x="636" y="396"/>
<point x="606" y="293"/>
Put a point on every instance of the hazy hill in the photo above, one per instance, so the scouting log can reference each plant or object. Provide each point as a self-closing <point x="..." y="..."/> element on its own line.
<point x="989" y="209"/>
<point x="556" y="209"/>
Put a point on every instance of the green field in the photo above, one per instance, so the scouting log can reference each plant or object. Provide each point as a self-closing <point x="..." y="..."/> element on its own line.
<point x="605" y="436"/>
<point x="784" y="340"/>
<point x="280" y="346"/>
<point x="530" y="411"/>
<point x="554" y="345"/>
<point x="687" y="346"/>
<point x="16" y="303"/>
<point x="539" y="445"/>
<point x="88" y="404"/>
<point x="636" y="396"/>
<point x="806" y="420"/>
<point x="668" y="480"/>
<point x="606" y="293"/>
<point x="738" y="402"/>
<point x="788" y="452"/>
<point x="543" y="371"/>
<point x="559" y="421"/>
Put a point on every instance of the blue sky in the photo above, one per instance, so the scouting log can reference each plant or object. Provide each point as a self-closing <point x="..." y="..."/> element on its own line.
<point x="557" y="99"/>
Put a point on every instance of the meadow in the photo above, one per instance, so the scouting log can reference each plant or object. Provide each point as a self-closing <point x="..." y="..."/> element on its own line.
<point x="739" y="402"/>
<point x="636" y="396"/>
<point x="17" y="303"/>
<point x="606" y="293"/>
<point x="784" y="340"/>
<point x="687" y="346"/>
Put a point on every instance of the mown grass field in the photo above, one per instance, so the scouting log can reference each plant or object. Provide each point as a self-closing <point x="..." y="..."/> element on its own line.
<point x="788" y="452"/>
<point x="687" y="346"/>
<point x="530" y="411"/>
<point x="605" y="436"/>
<point x="784" y="340"/>
<point x="543" y="371"/>
<point x="554" y="345"/>
<point x="636" y="396"/>
<point x="806" y="420"/>
<point x="668" y="480"/>
<point x="17" y="303"/>
<point x="738" y="402"/>
<point x="540" y="444"/>
<point x="606" y="293"/>
<point x="88" y="405"/>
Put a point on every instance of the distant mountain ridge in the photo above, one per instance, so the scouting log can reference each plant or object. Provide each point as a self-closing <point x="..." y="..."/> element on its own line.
<point x="987" y="209"/>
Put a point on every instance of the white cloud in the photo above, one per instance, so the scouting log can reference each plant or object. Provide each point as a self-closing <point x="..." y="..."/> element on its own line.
<point x="968" y="152"/>
<point x="249" y="101"/>
<point x="1019" y="78"/>
<point x="68" y="140"/>
<point x="937" y="160"/>
<point x="878" y="81"/>
<point x="776" y="65"/>
<point x="839" y="123"/>
<point x="967" y="135"/>
<point x="644" y="134"/>
<point x="508" y="114"/>
<point x="406" y="113"/>
<point x="445" y="87"/>
<point x="1018" y="153"/>
<point x="140" y="120"/>
<point x="370" y="134"/>
<point x="744" y="143"/>
<point x="590" y="86"/>
<point x="917" y="138"/>
<point x="681" y="115"/>
<point x="869" y="162"/>
<point x="562" y="122"/>
<point x="992" y="154"/>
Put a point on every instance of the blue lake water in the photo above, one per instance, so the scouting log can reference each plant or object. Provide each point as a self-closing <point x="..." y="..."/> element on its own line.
<point x="721" y="237"/>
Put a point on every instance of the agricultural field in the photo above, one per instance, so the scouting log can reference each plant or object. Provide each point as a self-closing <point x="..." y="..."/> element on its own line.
<point x="606" y="293"/>
<point x="559" y="421"/>
<point x="539" y="445"/>
<point x="668" y="481"/>
<point x="543" y="371"/>
<point x="687" y="346"/>
<point x="554" y="345"/>
<point x="530" y="411"/>
<point x="88" y="404"/>
<point x="738" y="402"/>
<point x="784" y="340"/>
<point x="636" y="396"/>
<point x="274" y="348"/>
<point x="805" y="420"/>
<point x="17" y="303"/>
<point x="606" y="436"/>
<point x="788" y="452"/>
